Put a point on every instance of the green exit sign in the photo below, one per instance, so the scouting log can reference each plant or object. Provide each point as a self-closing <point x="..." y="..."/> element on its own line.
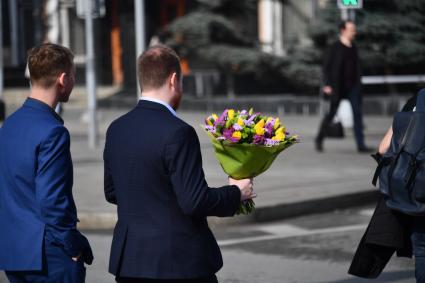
<point x="350" y="4"/>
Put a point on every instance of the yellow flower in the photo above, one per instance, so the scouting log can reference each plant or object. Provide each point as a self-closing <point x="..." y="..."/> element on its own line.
<point x="269" y="120"/>
<point x="215" y="117"/>
<point x="280" y="130"/>
<point x="237" y="135"/>
<point x="231" y="114"/>
<point x="279" y="136"/>
<point x="259" y="131"/>
<point x="240" y="122"/>
<point x="259" y="127"/>
<point x="276" y="123"/>
<point x="260" y="123"/>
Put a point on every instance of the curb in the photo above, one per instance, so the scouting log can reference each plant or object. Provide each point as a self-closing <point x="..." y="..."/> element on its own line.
<point x="107" y="221"/>
<point x="301" y="208"/>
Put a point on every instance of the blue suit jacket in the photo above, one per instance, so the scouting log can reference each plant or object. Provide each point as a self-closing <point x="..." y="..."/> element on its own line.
<point x="153" y="172"/>
<point x="36" y="188"/>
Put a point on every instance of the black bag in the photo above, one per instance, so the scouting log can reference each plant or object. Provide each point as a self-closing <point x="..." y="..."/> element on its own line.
<point x="2" y="110"/>
<point x="334" y="130"/>
<point x="401" y="170"/>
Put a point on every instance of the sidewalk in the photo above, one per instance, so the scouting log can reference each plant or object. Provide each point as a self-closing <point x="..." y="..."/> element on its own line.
<point x="301" y="181"/>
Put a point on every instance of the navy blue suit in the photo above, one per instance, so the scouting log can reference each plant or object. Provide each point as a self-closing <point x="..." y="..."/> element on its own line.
<point x="153" y="172"/>
<point x="37" y="211"/>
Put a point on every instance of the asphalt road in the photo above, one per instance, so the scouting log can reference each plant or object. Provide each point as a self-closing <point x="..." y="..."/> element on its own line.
<point x="315" y="248"/>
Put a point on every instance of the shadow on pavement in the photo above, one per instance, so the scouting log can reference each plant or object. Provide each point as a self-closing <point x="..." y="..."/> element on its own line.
<point x="389" y="276"/>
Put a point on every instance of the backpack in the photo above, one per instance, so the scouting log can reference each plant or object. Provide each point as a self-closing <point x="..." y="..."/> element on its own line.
<point x="401" y="170"/>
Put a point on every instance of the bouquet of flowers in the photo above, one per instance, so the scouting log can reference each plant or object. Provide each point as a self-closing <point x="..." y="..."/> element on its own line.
<point x="246" y="144"/>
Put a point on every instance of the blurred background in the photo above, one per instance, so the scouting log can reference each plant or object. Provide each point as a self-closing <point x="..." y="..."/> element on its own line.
<point x="312" y="208"/>
<point x="229" y="48"/>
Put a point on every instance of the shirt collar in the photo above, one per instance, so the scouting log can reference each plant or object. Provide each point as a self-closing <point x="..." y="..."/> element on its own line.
<point x="38" y="104"/>
<point x="160" y="102"/>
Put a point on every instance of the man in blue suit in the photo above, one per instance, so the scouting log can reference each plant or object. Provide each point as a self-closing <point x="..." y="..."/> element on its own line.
<point x="153" y="172"/>
<point x="39" y="241"/>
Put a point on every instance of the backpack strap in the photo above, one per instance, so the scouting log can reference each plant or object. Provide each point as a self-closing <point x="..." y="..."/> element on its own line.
<point x="385" y="160"/>
<point x="413" y="167"/>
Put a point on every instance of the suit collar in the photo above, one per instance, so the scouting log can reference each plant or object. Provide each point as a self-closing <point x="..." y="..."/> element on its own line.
<point x="154" y="106"/>
<point x="151" y="99"/>
<point x="37" y="104"/>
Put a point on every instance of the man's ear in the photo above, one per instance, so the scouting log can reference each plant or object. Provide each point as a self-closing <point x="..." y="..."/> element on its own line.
<point x="174" y="80"/>
<point x="62" y="79"/>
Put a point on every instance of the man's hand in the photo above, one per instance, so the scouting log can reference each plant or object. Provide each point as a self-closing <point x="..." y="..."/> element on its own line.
<point x="327" y="90"/>
<point x="246" y="187"/>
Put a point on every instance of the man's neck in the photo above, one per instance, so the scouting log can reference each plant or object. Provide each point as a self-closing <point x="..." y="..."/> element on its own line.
<point x="345" y="41"/>
<point x="47" y="96"/>
<point x="158" y="94"/>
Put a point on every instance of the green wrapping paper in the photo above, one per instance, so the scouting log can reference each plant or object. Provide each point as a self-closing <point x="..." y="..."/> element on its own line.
<point x="242" y="161"/>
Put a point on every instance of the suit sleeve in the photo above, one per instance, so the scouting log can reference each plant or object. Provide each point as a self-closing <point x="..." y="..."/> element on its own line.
<point x="183" y="161"/>
<point x="108" y="187"/>
<point x="54" y="181"/>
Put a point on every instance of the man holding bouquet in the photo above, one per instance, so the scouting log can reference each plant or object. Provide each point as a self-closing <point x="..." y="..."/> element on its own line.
<point x="153" y="173"/>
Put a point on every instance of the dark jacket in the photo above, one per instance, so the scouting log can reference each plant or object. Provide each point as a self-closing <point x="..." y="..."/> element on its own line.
<point x="153" y="172"/>
<point x="333" y="68"/>
<point x="388" y="232"/>
<point x="36" y="189"/>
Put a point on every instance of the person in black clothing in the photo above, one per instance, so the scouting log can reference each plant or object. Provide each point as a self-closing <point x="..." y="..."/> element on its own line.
<point x="342" y="80"/>
<point x="414" y="225"/>
<point x="153" y="173"/>
<point x="390" y="231"/>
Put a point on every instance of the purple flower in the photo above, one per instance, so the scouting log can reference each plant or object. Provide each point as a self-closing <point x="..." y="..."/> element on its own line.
<point x="237" y="127"/>
<point x="210" y="129"/>
<point x="271" y="123"/>
<point x="269" y="128"/>
<point x="227" y="133"/>
<point x="251" y="119"/>
<point x="248" y="123"/>
<point x="270" y="142"/>
<point x="244" y="112"/>
<point x="258" y="139"/>
<point x="222" y="119"/>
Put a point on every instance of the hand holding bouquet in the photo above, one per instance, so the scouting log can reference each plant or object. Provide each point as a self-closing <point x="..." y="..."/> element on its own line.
<point x="246" y="144"/>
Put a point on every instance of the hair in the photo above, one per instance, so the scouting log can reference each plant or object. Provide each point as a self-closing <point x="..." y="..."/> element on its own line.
<point x="47" y="61"/>
<point x="343" y="24"/>
<point x="155" y="65"/>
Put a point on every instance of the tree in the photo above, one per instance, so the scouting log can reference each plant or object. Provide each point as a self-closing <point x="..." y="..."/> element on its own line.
<point x="391" y="40"/>
<point x="391" y="34"/>
<point x="223" y="33"/>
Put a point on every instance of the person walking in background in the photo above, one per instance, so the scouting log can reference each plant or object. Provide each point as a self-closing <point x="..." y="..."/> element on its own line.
<point x="39" y="241"/>
<point x="342" y="79"/>
<point x="153" y="173"/>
